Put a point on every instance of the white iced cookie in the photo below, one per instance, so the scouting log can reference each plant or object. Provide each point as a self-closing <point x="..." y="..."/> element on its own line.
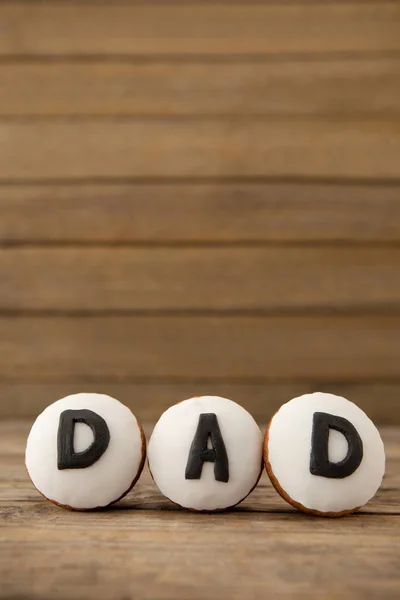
<point x="205" y="453"/>
<point x="85" y="451"/>
<point x="324" y="455"/>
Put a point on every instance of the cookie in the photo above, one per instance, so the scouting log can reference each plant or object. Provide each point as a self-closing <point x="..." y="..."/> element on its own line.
<point x="205" y="453"/>
<point x="85" y="451"/>
<point x="324" y="455"/>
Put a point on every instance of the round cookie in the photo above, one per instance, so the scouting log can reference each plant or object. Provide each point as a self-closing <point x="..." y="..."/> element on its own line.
<point x="205" y="453"/>
<point x="324" y="455"/>
<point x="85" y="451"/>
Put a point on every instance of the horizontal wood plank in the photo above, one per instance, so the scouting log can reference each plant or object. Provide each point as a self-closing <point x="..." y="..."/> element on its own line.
<point x="164" y="88"/>
<point x="146" y="279"/>
<point x="140" y="30"/>
<point x="381" y="401"/>
<point x="200" y="147"/>
<point x="185" y="348"/>
<point x="175" y="554"/>
<point x="161" y="543"/>
<point x="199" y="212"/>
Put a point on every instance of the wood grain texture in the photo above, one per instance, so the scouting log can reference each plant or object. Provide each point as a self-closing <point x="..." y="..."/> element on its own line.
<point x="313" y="87"/>
<point x="230" y="157"/>
<point x="149" y="400"/>
<point x="140" y="30"/>
<point x="276" y="348"/>
<point x="205" y="279"/>
<point x="146" y="548"/>
<point x="229" y="147"/>
<point x="200" y="212"/>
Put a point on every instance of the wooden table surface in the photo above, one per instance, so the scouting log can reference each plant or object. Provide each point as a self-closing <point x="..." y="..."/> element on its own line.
<point x="146" y="548"/>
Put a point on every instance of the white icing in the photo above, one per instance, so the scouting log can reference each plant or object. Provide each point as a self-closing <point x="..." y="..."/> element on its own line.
<point x="170" y="445"/>
<point x="289" y="447"/>
<point x="108" y="478"/>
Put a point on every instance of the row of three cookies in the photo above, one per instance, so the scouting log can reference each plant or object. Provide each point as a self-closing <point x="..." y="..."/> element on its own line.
<point x="322" y="453"/>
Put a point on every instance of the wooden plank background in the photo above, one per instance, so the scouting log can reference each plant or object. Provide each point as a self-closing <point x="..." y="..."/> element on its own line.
<point x="200" y="198"/>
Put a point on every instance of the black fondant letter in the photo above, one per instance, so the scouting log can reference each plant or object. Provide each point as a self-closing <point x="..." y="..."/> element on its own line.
<point x="319" y="461"/>
<point x="67" y="457"/>
<point x="200" y="453"/>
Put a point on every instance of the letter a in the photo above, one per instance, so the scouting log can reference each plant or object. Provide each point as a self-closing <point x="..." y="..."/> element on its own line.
<point x="200" y="453"/>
